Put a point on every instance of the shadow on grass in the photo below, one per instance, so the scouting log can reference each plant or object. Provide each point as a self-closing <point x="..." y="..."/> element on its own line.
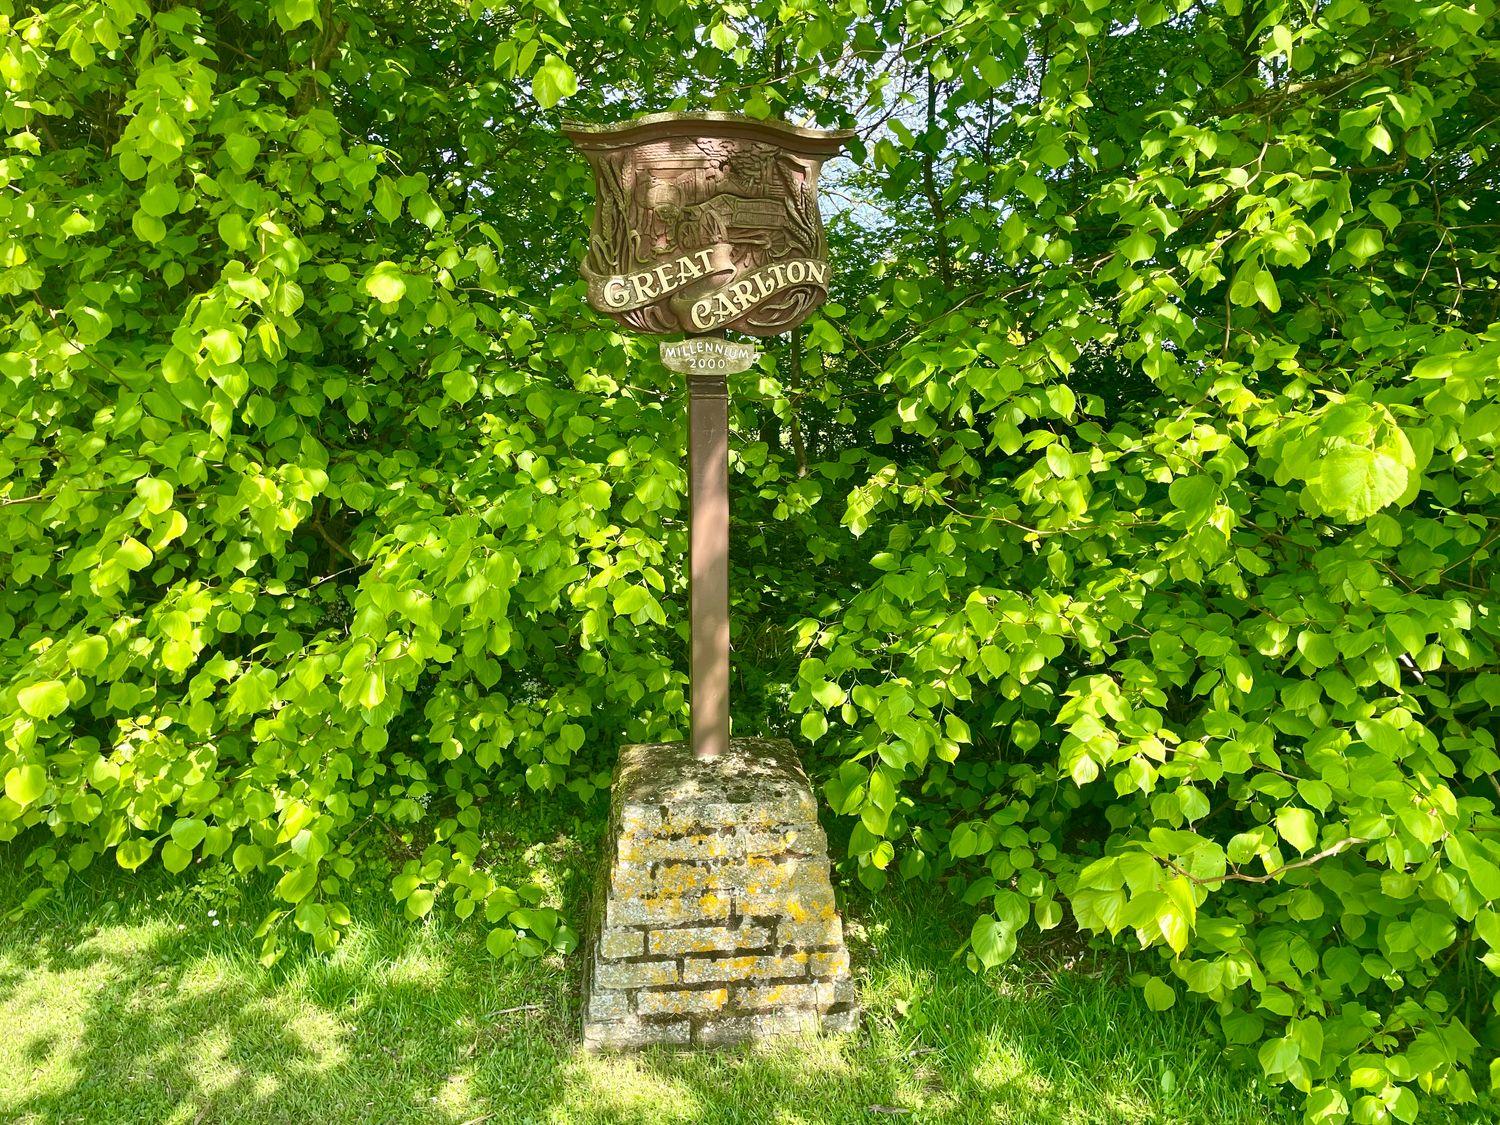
<point x="124" y="1003"/>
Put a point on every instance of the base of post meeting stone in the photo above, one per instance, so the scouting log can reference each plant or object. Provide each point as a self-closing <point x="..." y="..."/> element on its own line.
<point x="714" y="920"/>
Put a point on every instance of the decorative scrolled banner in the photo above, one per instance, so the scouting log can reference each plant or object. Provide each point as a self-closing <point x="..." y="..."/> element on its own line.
<point x="705" y="293"/>
<point x="763" y="302"/>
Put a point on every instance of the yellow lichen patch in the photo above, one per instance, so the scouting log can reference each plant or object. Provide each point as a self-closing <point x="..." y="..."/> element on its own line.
<point x="696" y="1002"/>
<point x="681" y="878"/>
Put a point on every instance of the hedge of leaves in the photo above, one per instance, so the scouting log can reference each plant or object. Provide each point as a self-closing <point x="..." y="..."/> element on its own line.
<point x="1121" y="540"/>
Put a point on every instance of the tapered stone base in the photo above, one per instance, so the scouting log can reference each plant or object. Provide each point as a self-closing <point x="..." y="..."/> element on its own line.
<point x="714" y="921"/>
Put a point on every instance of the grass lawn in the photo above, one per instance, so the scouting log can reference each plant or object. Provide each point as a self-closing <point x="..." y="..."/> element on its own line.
<point x="122" y="1001"/>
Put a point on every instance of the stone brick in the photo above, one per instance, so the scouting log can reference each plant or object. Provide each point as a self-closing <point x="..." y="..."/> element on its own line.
<point x="707" y="939"/>
<point x="685" y="879"/>
<point x="841" y="1021"/>
<point x="761" y="1025"/>
<point x="652" y="848"/>
<point x="752" y="967"/>
<point x="830" y="964"/>
<point x="681" y="1002"/>
<point x="809" y="934"/>
<point x="608" y="1004"/>
<point x="615" y="944"/>
<point x="707" y="815"/>
<point x="634" y="974"/>
<point x="797" y="906"/>
<point x="800" y="840"/>
<point x="776" y="995"/>
<point x="793" y="839"/>
<point x="661" y="789"/>
<point x="622" y="1034"/>
<point x="758" y="876"/>
<point x="666" y="910"/>
<point x="835" y="992"/>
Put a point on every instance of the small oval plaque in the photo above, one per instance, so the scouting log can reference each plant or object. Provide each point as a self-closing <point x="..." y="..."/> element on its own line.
<point x="705" y="355"/>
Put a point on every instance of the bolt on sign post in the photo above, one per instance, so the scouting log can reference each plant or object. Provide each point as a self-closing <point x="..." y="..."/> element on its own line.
<point x="706" y="223"/>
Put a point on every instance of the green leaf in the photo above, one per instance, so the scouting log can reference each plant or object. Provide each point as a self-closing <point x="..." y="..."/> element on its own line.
<point x="385" y="282"/>
<point x="156" y="493"/>
<point x="87" y="653"/>
<point x="828" y="694"/>
<point x="1195" y="495"/>
<point x="1138" y="247"/>
<point x="993" y="941"/>
<point x="500" y="941"/>
<point x="297" y="883"/>
<point x="311" y="918"/>
<point x="1265" y="289"/>
<point x="242" y="151"/>
<point x="425" y="210"/>
<point x="43" y="700"/>
<point x="1355" y="483"/>
<point x="93" y="325"/>
<point x="372" y="688"/>
<point x="131" y="853"/>
<point x="1363" y="243"/>
<point x="147" y="227"/>
<point x="1159" y="994"/>
<point x="387" y="200"/>
<point x="1277" y="1056"/>
<point x="159" y="200"/>
<point x="24" y="784"/>
<point x="188" y="832"/>
<point x="291" y="14"/>
<point x="1025" y="734"/>
<point x="175" y="857"/>
<point x="460" y="385"/>
<point x="222" y="345"/>
<point x="723" y="36"/>
<point x="1318" y="648"/>
<point x="631" y="600"/>
<point x="814" y="725"/>
<point x="1298" y="827"/>
<point x="553" y="81"/>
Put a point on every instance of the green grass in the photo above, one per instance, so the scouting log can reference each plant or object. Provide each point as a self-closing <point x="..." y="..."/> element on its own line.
<point x="121" y="1002"/>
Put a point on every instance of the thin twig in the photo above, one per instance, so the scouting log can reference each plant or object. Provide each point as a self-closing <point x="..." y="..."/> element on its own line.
<point x="1326" y="853"/>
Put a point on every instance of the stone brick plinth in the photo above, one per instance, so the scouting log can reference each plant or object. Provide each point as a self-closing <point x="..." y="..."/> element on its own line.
<point x="714" y="921"/>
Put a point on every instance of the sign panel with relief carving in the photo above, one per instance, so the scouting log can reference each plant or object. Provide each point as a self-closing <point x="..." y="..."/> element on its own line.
<point x="706" y="222"/>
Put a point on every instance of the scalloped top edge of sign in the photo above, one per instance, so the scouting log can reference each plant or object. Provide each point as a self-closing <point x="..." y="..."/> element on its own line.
<point x="659" y="126"/>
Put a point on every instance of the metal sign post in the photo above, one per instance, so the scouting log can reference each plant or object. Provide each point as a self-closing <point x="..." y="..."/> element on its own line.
<point x="708" y="554"/>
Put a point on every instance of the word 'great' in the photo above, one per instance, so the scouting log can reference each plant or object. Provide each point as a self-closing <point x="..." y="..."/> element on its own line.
<point x="633" y="290"/>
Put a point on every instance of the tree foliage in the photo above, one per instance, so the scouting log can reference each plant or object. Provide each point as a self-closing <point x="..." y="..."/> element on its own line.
<point x="1121" y="539"/>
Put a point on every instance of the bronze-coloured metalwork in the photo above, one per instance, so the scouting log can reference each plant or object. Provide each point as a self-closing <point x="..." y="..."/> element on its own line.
<point x="706" y="221"/>
<point x="708" y="555"/>
<point x="702" y="223"/>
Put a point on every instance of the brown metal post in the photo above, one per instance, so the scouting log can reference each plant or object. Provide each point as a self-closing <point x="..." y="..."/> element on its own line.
<point x="708" y="548"/>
